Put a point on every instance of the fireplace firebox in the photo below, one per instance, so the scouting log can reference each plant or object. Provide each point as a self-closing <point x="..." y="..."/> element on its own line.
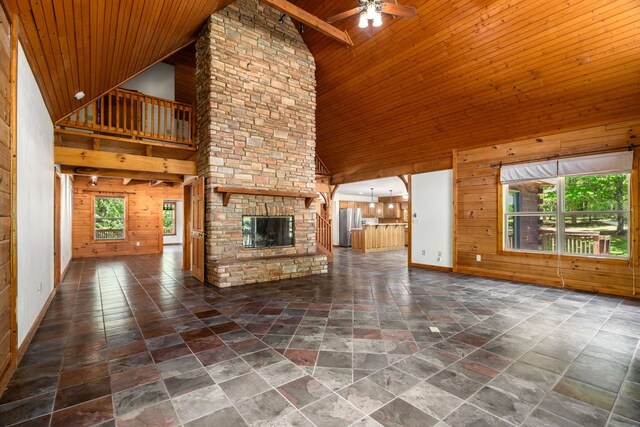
<point x="267" y="231"/>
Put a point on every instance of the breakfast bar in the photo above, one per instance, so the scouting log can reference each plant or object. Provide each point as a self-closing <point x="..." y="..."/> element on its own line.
<point x="378" y="237"/>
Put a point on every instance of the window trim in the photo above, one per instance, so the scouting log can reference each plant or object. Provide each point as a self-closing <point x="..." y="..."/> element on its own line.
<point x="93" y="218"/>
<point x="560" y="216"/>
<point x="175" y="217"/>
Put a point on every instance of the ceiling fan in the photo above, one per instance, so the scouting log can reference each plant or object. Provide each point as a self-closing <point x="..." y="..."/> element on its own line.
<point x="372" y="10"/>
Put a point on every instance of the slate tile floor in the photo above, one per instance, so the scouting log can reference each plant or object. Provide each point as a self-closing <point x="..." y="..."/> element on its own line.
<point x="134" y="341"/>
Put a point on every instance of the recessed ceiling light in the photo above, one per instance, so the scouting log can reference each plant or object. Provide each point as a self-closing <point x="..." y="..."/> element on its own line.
<point x="79" y="95"/>
<point x="360" y="192"/>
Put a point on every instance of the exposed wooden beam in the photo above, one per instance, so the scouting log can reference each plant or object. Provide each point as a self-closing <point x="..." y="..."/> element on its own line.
<point x="129" y="162"/>
<point x="404" y="181"/>
<point x="60" y="133"/>
<point x="156" y="182"/>
<point x="333" y="190"/>
<point x="353" y="175"/>
<point x="310" y="20"/>
<point x="127" y="176"/>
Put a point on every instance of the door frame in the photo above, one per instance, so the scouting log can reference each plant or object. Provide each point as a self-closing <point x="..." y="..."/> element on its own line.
<point x="186" y="229"/>
<point x="57" y="217"/>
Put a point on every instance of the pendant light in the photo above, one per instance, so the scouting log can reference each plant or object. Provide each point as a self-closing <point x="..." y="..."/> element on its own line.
<point x="372" y="205"/>
<point x="390" y="200"/>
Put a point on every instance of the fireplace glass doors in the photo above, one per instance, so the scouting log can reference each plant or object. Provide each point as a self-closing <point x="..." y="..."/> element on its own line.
<point x="267" y="231"/>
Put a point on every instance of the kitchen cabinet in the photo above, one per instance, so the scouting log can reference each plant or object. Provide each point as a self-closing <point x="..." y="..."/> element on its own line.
<point x="392" y="212"/>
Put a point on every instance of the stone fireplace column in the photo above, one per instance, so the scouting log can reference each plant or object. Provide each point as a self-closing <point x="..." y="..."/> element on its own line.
<point x="256" y="103"/>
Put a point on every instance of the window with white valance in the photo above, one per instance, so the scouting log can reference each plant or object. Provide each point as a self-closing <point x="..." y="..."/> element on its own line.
<point x="576" y="206"/>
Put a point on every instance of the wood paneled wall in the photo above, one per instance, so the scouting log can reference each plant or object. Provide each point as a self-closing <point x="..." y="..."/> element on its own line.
<point x="477" y="225"/>
<point x="8" y="345"/>
<point x="144" y="216"/>
<point x="468" y="73"/>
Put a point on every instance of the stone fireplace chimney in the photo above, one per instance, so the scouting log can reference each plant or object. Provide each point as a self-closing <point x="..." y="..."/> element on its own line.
<point x="256" y="104"/>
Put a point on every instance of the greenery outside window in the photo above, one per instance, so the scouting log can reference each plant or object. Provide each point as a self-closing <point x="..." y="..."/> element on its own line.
<point x="109" y="221"/>
<point x="586" y="215"/>
<point x="169" y="219"/>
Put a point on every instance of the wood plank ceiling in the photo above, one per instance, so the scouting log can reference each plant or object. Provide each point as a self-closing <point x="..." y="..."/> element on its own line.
<point x="468" y="73"/>
<point x="462" y="74"/>
<point x="92" y="46"/>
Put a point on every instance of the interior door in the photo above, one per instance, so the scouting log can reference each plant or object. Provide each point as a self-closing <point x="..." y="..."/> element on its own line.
<point x="197" y="229"/>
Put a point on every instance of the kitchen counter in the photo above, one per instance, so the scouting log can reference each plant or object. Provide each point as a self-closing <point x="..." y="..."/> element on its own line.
<point x="378" y="237"/>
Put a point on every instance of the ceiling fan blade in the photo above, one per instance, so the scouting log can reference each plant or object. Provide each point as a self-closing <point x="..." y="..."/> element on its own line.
<point x="343" y="15"/>
<point x="399" y="10"/>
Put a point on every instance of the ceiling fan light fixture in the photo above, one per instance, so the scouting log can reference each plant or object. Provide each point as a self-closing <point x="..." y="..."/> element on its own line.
<point x="371" y="11"/>
<point x="363" y="22"/>
<point x="377" y="21"/>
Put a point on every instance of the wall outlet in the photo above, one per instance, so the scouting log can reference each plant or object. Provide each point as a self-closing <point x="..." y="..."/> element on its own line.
<point x="137" y="243"/>
<point x="478" y="257"/>
<point x="424" y="252"/>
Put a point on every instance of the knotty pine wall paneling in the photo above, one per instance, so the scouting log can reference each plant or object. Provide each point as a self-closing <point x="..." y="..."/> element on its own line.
<point x="8" y="327"/>
<point x="478" y="223"/>
<point x="144" y="217"/>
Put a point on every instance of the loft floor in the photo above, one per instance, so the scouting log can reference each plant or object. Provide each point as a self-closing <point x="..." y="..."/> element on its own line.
<point x="136" y="341"/>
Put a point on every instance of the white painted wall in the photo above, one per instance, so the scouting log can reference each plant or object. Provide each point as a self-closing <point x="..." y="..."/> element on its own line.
<point x="432" y="218"/>
<point x="66" y="221"/>
<point x="158" y="80"/>
<point x="35" y="176"/>
<point x="177" y="239"/>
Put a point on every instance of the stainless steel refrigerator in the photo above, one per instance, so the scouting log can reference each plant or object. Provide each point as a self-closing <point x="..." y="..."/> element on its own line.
<point x="349" y="218"/>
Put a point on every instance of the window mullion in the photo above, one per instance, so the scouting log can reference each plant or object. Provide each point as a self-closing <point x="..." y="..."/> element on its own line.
<point x="560" y="240"/>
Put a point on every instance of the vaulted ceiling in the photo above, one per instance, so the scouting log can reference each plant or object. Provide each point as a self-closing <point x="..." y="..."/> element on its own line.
<point x="94" y="45"/>
<point x="463" y="73"/>
<point x="468" y="73"/>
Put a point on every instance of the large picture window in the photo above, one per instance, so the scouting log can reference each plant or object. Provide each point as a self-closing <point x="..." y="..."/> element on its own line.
<point x="576" y="206"/>
<point x="109" y="218"/>
<point x="169" y="219"/>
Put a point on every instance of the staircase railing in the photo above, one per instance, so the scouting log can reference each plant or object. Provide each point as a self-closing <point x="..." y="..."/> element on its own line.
<point x="321" y="169"/>
<point x="131" y="114"/>
<point x="324" y="234"/>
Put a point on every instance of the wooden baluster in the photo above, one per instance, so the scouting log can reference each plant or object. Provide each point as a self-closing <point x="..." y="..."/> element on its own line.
<point x="171" y="122"/>
<point x="153" y="116"/>
<point x="118" y="96"/>
<point x="180" y="127"/>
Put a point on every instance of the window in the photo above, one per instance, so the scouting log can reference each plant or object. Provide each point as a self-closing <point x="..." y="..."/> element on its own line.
<point x="169" y="219"/>
<point x="109" y="218"/>
<point x="576" y="206"/>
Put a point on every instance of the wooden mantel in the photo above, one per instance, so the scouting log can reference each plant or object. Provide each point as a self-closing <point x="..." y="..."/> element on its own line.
<point x="228" y="191"/>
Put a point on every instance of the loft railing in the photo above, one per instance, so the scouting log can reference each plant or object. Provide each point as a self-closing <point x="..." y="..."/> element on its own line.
<point x="323" y="234"/>
<point x="131" y="114"/>
<point x="321" y="169"/>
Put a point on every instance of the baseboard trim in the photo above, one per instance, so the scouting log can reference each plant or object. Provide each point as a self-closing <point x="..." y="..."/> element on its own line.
<point x="431" y="267"/>
<point x="64" y="272"/>
<point x="27" y="340"/>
